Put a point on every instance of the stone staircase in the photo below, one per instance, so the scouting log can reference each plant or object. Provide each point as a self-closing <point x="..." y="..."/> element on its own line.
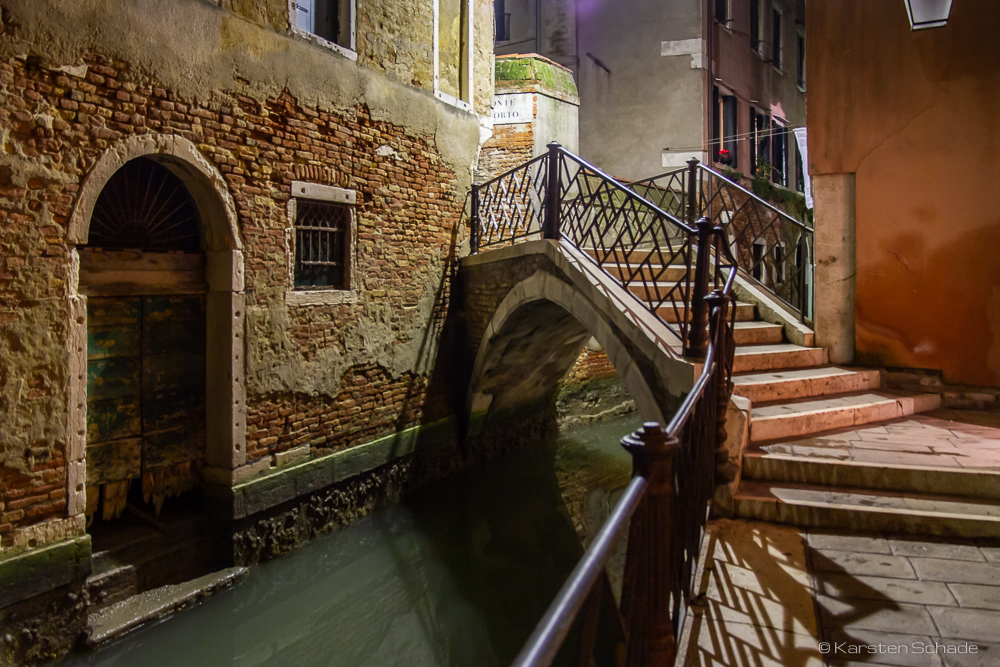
<point x="792" y="475"/>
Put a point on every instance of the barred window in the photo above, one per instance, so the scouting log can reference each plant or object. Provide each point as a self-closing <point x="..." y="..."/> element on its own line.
<point x="322" y="239"/>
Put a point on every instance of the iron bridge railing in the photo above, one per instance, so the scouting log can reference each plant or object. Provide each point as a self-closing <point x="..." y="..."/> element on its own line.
<point x="685" y="270"/>
<point x="772" y="248"/>
<point x="652" y="252"/>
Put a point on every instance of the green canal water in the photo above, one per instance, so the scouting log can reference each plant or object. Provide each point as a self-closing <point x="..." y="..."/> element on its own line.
<point x="456" y="574"/>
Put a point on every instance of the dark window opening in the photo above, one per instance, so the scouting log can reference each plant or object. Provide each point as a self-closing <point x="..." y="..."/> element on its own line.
<point x="800" y="41"/>
<point x="716" y="124"/>
<point x="757" y="269"/>
<point x="144" y="207"/>
<point x="329" y="19"/>
<point x="729" y="133"/>
<point x="722" y="11"/>
<point x="779" y="154"/>
<point x="502" y="19"/>
<point x="761" y="141"/>
<point x="755" y="25"/>
<point x="321" y="244"/>
<point x="779" y="264"/>
<point x="800" y="178"/>
<point x="776" y="38"/>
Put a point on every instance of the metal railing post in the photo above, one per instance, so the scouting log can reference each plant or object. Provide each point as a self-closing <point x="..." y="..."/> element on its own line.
<point x="552" y="194"/>
<point x="696" y="345"/>
<point x="692" y="193"/>
<point x="718" y="304"/>
<point x="474" y="221"/>
<point x="648" y="576"/>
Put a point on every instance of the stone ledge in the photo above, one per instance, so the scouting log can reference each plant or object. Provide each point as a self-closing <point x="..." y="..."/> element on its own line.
<point x="281" y="485"/>
<point x="39" y="571"/>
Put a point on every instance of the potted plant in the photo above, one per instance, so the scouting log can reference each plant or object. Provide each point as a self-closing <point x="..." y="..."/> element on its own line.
<point x="724" y="157"/>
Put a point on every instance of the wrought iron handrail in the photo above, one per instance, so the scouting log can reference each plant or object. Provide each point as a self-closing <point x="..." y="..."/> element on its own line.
<point x="560" y="196"/>
<point x="665" y="506"/>
<point x="773" y="249"/>
<point x="650" y="252"/>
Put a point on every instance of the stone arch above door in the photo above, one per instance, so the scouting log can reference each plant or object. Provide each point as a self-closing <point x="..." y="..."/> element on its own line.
<point x="220" y="241"/>
<point x="181" y="157"/>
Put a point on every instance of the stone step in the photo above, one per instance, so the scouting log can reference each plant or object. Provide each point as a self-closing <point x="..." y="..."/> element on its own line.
<point x="762" y="464"/>
<point x="112" y="585"/>
<point x="651" y="272"/>
<point x="867" y="510"/>
<point x="802" y="383"/>
<point x="756" y="332"/>
<point x="118" y="619"/>
<point x="800" y="417"/>
<point x="639" y="255"/>
<point x="745" y="312"/>
<point x="752" y="358"/>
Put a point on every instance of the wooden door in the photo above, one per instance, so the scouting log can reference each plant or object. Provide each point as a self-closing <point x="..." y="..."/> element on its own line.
<point x="145" y="397"/>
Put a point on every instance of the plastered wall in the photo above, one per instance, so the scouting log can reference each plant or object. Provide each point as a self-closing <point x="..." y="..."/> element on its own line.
<point x="914" y="116"/>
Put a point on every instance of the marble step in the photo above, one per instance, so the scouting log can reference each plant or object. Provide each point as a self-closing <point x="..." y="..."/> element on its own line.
<point x="745" y="312"/>
<point x="760" y="464"/>
<point x="750" y="358"/>
<point x="867" y="510"/>
<point x="785" y="385"/>
<point x="755" y="332"/>
<point x="813" y="415"/>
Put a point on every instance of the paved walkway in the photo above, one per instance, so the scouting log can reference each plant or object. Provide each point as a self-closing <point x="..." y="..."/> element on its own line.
<point x="782" y="596"/>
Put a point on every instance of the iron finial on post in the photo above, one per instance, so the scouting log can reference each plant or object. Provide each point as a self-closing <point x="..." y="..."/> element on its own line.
<point x="552" y="193"/>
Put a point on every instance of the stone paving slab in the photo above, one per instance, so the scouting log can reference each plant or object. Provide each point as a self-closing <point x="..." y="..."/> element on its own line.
<point x="772" y="594"/>
<point x="978" y="596"/>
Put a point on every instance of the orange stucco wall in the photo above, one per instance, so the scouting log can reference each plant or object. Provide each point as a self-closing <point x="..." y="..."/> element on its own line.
<point x="916" y="115"/>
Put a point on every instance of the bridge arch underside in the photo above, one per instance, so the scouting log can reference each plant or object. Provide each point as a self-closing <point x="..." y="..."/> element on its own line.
<point x="533" y="339"/>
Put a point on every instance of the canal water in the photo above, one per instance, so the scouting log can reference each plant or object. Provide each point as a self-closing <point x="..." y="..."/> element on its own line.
<point x="456" y="574"/>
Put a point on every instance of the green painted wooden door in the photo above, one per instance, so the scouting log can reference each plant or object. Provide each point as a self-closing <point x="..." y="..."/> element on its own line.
<point x="145" y="385"/>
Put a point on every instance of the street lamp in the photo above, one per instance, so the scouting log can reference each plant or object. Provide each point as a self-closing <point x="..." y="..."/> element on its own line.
<point x="927" y="13"/>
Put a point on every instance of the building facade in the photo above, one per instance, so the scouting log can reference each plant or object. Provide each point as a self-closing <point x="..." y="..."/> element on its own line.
<point x="662" y="82"/>
<point x="226" y="235"/>
<point x="902" y="129"/>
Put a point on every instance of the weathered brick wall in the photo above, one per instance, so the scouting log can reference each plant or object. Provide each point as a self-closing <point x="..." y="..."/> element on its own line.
<point x="509" y="146"/>
<point x="325" y="375"/>
<point x="590" y="365"/>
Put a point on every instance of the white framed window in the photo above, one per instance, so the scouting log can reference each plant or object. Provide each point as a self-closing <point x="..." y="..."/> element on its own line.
<point x="453" y="64"/>
<point x="329" y="23"/>
<point x="321" y="245"/>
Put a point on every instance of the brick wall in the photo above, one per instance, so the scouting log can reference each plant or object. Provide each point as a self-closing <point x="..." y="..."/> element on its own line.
<point x="325" y="375"/>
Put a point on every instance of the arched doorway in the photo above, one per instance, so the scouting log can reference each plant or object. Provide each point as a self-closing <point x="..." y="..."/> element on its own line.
<point x="143" y="271"/>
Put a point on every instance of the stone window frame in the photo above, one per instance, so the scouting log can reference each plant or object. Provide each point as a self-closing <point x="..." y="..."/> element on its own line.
<point x="468" y="54"/>
<point x="350" y="53"/>
<point x="322" y="296"/>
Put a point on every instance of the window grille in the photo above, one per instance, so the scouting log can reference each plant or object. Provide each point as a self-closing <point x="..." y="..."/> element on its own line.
<point x="321" y="240"/>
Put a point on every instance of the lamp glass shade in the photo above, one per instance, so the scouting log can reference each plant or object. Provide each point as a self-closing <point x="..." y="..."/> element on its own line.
<point x="927" y="13"/>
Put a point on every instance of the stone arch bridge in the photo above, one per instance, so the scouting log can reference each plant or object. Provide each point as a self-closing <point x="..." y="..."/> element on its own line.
<point x="529" y="310"/>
